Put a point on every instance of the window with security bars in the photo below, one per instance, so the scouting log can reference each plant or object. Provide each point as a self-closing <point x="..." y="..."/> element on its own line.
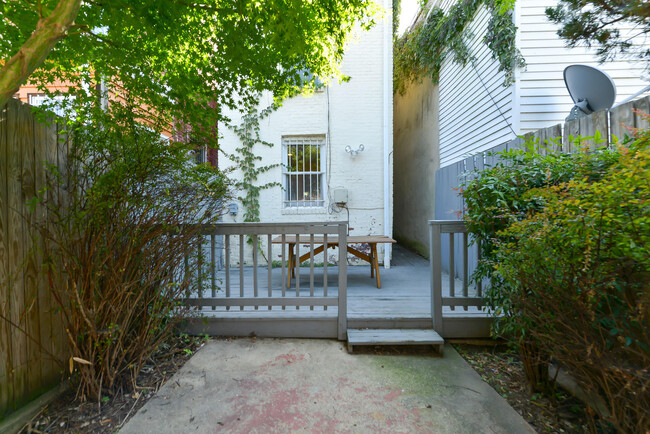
<point x="304" y="171"/>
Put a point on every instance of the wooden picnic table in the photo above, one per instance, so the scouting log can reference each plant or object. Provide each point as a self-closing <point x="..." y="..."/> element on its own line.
<point x="319" y="246"/>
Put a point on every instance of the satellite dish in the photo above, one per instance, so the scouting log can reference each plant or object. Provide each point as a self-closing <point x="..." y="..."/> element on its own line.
<point x="590" y="88"/>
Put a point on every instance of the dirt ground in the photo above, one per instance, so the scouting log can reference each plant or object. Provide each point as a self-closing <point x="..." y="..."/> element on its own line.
<point x="502" y="369"/>
<point x="66" y="415"/>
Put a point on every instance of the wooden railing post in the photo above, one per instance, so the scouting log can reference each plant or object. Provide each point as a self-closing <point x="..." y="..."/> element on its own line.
<point x="343" y="282"/>
<point x="435" y="258"/>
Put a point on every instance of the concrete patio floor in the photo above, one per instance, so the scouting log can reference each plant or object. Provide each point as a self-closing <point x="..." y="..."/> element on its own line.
<point x="290" y="385"/>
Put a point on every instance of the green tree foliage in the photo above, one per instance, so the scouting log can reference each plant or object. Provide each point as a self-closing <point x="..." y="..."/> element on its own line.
<point x="594" y="22"/>
<point x="422" y="51"/>
<point x="185" y="60"/>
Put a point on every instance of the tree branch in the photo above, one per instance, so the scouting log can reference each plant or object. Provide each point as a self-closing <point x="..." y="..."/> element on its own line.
<point x="49" y="30"/>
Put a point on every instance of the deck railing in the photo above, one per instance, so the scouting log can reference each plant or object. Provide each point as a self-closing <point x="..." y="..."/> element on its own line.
<point x="243" y="283"/>
<point x="463" y="299"/>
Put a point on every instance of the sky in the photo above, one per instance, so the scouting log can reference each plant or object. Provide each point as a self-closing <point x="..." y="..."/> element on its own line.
<point x="409" y="9"/>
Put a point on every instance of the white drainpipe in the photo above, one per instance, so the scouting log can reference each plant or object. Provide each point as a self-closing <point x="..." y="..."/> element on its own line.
<point x="388" y="122"/>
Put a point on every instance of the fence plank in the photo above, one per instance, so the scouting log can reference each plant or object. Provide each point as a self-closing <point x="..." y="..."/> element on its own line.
<point x="571" y="130"/>
<point x="31" y="316"/>
<point x="642" y="106"/>
<point x="16" y="248"/>
<point x="45" y="301"/>
<point x="60" y="154"/>
<point x="622" y="120"/>
<point x="6" y="380"/>
<point x="59" y="337"/>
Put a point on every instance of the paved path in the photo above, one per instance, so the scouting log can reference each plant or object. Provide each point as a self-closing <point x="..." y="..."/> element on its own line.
<point x="285" y="385"/>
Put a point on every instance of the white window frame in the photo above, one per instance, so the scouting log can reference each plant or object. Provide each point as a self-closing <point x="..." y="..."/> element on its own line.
<point x="200" y="154"/>
<point x="308" y="205"/>
<point x="38" y="99"/>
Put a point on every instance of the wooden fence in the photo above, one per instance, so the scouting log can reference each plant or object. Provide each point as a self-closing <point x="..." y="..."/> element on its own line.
<point x="32" y="327"/>
<point x="617" y="122"/>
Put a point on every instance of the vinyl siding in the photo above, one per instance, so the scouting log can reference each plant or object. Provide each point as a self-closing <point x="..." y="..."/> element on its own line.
<point x="469" y="120"/>
<point x="542" y="96"/>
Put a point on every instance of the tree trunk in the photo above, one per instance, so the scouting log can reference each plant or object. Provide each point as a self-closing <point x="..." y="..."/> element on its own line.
<point x="49" y="30"/>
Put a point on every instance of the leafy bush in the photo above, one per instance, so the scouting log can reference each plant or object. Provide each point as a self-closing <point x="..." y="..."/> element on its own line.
<point x="509" y="192"/>
<point x="117" y="238"/>
<point x="577" y="277"/>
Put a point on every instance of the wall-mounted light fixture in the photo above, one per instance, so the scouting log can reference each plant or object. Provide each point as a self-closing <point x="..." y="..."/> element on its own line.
<point x="352" y="152"/>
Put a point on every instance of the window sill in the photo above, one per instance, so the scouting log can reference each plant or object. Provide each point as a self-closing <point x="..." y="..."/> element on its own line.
<point x="304" y="210"/>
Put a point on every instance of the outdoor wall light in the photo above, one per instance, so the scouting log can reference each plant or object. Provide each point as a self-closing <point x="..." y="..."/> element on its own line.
<point x="353" y="153"/>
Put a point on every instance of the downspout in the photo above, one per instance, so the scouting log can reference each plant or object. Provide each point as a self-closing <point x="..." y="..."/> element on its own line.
<point x="388" y="130"/>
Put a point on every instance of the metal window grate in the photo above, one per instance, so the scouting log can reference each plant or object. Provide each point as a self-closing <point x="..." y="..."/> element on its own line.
<point x="303" y="171"/>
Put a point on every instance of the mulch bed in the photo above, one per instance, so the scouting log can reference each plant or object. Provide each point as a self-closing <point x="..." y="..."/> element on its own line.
<point x="502" y="369"/>
<point x="65" y="415"/>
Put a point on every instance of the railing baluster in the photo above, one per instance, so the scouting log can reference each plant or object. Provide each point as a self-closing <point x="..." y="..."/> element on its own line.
<point x="343" y="283"/>
<point x="465" y="267"/>
<point x="452" y="268"/>
<point x="199" y="260"/>
<point x="269" y="263"/>
<point x="250" y="298"/>
<point x="241" y="267"/>
<point x="325" y="268"/>
<point x="479" y="284"/>
<point x="255" y="294"/>
<point x="213" y="265"/>
<point x="186" y="277"/>
<point x="311" y="267"/>
<point x="284" y="276"/>
<point x="227" y="248"/>
<point x="297" y="268"/>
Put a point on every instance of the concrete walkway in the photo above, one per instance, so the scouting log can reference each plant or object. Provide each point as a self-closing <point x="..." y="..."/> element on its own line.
<point x="285" y="385"/>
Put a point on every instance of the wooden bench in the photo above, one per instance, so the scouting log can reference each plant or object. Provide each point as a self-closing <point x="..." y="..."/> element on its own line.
<point x="319" y="246"/>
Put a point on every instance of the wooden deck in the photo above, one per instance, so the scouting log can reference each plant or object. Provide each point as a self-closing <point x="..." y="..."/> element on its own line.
<point x="404" y="301"/>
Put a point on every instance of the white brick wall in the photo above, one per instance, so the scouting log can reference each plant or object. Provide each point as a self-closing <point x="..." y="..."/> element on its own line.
<point x="355" y="117"/>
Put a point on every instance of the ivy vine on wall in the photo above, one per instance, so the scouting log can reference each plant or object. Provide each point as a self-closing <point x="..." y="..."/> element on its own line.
<point x="246" y="159"/>
<point x="421" y="51"/>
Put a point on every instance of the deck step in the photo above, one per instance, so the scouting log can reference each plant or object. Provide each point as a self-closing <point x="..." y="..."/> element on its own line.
<point x="394" y="337"/>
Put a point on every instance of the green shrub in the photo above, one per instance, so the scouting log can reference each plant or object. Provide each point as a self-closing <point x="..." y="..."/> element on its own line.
<point x="117" y="240"/>
<point x="576" y="275"/>
<point x="509" y="192"/>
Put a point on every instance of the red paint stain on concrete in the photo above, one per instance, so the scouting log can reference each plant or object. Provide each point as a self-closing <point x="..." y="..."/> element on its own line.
<point x="392" y="395"/>
<point x="290" y="358"/>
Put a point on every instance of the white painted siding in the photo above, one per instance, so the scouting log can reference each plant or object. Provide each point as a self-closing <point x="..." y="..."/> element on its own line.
<point x="543" y="99"/>
<point x="469" y="120"/>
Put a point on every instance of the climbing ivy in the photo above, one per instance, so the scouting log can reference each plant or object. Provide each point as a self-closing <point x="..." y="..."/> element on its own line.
<point x="248" y="133"/>
<point x="421" y="51"/>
